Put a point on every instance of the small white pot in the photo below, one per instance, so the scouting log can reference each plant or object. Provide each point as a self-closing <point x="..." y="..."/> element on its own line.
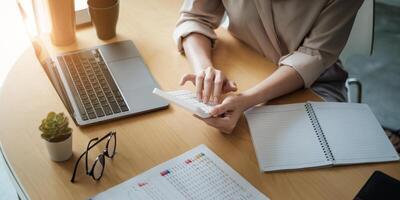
<point x="60" y="151"/>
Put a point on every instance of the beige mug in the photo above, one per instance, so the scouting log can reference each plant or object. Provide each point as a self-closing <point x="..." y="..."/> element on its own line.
<point x="62" y="21"/>
<point x="104" y="19"/>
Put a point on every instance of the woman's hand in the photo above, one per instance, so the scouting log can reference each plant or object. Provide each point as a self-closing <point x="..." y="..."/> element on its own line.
<point x="210" y="84"/>
<point x="227" y="114"/>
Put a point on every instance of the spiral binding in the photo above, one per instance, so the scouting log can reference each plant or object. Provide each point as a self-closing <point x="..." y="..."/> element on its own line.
<point x="320" y="134"/>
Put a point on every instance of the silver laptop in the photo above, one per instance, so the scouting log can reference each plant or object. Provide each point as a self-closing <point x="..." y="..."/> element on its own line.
<point x="102" y="83"/>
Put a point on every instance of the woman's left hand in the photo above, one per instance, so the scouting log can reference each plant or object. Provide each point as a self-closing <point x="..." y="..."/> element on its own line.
<point x="226" y="115"/>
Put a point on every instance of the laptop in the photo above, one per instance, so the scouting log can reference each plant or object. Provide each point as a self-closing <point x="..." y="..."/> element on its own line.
<point x="102" y="83"/>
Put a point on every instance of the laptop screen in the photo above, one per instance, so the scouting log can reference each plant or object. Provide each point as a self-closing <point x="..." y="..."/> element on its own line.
<point x="26" y="9"/>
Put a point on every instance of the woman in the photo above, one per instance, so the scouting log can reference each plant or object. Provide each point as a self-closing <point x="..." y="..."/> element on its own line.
<point x="304" y="38"/>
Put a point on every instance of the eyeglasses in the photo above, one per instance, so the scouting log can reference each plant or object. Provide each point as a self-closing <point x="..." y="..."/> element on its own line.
<point x="97" y="168"/>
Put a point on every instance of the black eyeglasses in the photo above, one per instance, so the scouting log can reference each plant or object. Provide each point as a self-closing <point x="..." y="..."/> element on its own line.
<point x="97" y="169"/>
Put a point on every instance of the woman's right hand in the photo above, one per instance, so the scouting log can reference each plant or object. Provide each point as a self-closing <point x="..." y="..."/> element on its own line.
<point x="210" y="84"/>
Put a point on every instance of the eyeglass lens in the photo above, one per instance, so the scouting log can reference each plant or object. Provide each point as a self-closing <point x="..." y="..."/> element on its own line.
<point x="111" y="146"/>
<point x="98" y="167"/>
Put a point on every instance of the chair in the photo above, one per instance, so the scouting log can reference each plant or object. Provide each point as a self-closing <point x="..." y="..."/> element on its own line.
<point x="360" y="42"/>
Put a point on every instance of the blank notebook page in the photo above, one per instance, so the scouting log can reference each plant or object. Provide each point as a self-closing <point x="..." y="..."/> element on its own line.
<point x="353" y="133"/>
<point x="284" y="138"/>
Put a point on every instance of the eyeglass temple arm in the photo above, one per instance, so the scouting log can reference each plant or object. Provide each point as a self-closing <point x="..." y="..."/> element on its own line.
<point x="87" y="149"/>
<point x="76" y="165"/>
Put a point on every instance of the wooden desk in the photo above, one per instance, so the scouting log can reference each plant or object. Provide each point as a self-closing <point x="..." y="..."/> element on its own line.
<point x="147" y="140"/>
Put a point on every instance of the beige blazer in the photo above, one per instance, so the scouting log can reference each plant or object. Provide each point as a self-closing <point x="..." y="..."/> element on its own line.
<point x="307" y="35"/>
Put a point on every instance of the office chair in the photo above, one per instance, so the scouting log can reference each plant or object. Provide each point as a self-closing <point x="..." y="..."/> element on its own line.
<point x="360" y="42"/>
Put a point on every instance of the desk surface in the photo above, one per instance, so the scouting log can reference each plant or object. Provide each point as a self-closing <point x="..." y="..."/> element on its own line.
<point x="147" y="140"/>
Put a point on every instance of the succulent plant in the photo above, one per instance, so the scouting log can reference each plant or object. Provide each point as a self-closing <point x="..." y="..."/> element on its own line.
<point x="55" y="127"/>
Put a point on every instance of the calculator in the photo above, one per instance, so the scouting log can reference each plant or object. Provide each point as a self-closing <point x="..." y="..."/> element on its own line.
<point x="187" y="100"/>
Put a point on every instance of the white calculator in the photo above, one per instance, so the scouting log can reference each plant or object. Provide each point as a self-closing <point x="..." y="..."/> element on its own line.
<point x="187" y="100"/>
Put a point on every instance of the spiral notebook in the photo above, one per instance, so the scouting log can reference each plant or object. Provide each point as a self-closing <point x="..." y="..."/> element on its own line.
<point x="315" y="134"/>
<point x="196" y="174"/>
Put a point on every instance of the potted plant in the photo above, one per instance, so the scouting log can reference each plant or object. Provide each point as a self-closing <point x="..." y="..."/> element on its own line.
<point x="57" y="136"/>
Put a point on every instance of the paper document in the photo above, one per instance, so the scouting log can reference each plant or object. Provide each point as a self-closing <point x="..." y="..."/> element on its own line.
<point x="196" y="174"/>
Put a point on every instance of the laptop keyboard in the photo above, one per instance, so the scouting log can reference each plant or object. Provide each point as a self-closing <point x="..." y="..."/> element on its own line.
<point x="96" y="92"/>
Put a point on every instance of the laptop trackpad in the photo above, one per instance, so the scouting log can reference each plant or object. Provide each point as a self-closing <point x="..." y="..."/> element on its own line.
<point x="135" y="82"/>
<point x="118" y="51"/>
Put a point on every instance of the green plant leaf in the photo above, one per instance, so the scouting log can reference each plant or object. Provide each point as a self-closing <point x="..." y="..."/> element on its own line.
<point x="55" y="127"/>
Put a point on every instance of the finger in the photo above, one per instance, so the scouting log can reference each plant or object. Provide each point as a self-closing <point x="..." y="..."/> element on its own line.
<point x="188" y="77"/>
<point x="220" y="123"/>
<point x="219" y="109"/>
<point x="199" y="85"/>
<point x="230" y="86"/>
<point x="208" y="84"/>
<point x="218" y="82"/>
<point x="212" y="121"/>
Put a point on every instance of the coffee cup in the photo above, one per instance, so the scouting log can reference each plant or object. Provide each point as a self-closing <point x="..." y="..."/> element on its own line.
<point x="104" y="15"/>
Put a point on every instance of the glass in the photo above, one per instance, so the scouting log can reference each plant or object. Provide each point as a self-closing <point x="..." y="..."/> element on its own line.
<point x="97" y="168"/>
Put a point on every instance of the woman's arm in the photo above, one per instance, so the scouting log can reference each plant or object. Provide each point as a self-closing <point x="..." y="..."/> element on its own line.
<point x="283" y="81"/>
<point x="194" y="35"/>
<point x="197" y="48"/>
<point x="210" y="83"/>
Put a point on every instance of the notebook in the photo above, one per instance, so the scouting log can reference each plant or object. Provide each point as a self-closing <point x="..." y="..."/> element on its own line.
<point x="316" y="134"/>
<point x="196" y="174"/>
